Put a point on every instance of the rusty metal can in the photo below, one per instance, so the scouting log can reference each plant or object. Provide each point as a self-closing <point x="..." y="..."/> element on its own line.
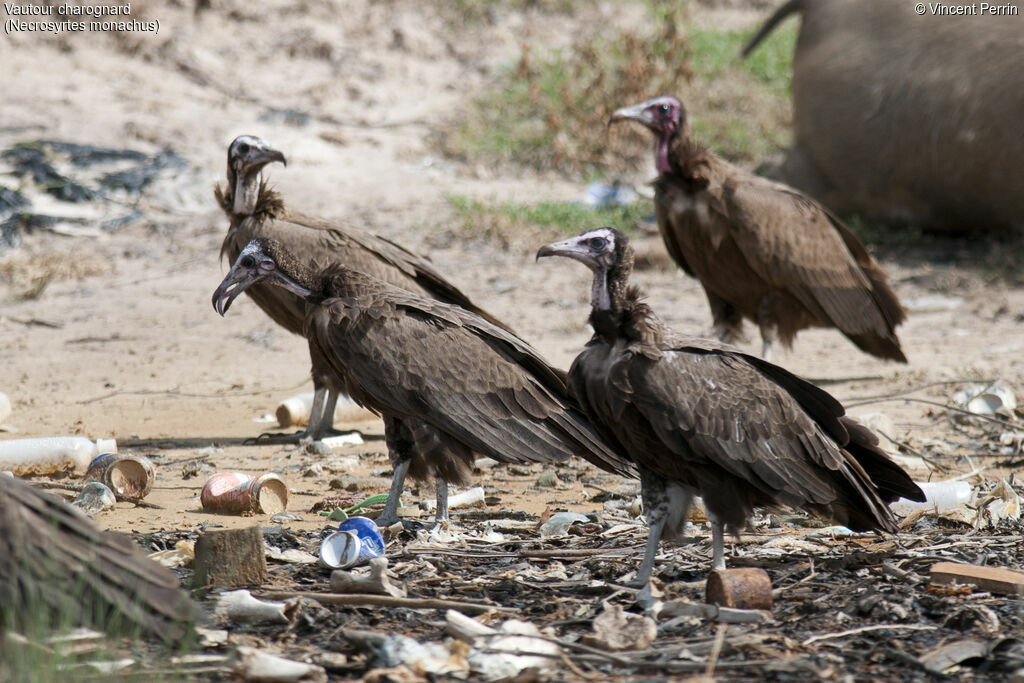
<point x="129" y="476"/>
<point x="235" y="493"/>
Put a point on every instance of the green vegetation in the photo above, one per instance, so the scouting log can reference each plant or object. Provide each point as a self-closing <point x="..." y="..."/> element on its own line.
<point x="550" y="109"/>
<point x="567" y="218"/>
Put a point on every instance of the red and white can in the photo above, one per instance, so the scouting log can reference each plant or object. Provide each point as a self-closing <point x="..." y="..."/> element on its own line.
<point x="235" y="493"/>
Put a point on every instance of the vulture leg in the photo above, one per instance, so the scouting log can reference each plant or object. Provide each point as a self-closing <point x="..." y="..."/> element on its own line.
<point x="390" y="514"/>
<point x="313" y="427"/>
<point x="666" y="507"/>
<point x="728" y="326"/>
<point x="327" y="423"/>
<point x="441" y="516"/>
<point x="766" y="321"/>
<point x="717" y="541"/>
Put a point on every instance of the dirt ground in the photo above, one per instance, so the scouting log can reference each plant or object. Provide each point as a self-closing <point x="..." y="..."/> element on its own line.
<point x="110" y="333"/>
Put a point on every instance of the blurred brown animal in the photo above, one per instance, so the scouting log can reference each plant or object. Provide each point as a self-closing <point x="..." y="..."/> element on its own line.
<point x="907" y="117"/>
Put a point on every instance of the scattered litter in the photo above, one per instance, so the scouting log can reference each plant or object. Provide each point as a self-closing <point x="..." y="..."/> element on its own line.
<point x="726" y="615"/>
<point x="291" y="555"/>
<point x="295" y="411"/>
<point x="47" y="455"/>
<point x="253" y="665"/>
<point x="285" y="517"/>
<point x="350" y="439"/>
<point x="558" y="524"/>
<point x="468" y="498"/>
<point x="236" y="493"/>
<point x="740" y="587"/>
<point x="241" y="607"/>
<point x="433" y="659"/>
<point x="211" y="637"/>
<point x="996" y="399"/>
<point x="128" y="476"/>
<point x="1002" y="503"/>
<point x="339" y="514"/>
<point x="94" y="497"/>
<point x="948" y="655"/>
<point x="503" y="652"/>
<point x="942" y="497"/>
<point x="602" y="195"/>
<point x="356" y="542"/>
<point x="376" y="582"/>
<point x="180" y="555"/>
<point x="615" y="629"/>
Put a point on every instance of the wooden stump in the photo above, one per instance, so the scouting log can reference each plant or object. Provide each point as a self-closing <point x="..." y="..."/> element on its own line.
<point x="232" y="558"/>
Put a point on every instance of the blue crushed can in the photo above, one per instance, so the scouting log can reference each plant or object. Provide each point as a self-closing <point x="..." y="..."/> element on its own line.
<point x="355" y="543"/>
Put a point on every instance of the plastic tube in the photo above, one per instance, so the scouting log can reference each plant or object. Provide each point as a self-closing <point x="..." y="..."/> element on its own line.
<point x="5" y="406"/>
<point x="295" y="411"/>
<point x="51" y="454"/>
<point x="942" y="496"/>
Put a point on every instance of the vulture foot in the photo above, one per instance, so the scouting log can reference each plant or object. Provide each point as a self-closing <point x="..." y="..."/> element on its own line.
<point x="272" y="438"/>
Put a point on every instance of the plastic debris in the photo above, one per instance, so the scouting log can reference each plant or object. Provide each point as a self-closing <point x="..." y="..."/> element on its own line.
<point x="294" y="411"/>
<point x="180" y="555"/>
<point x="616" y="629"/>
<point x="51" y="454"/>
<point x="237" y="493"/>
<point x="1002" y="503"/>
<point x="463" y="499"/>
<point x="941" y="497"/>
<point x="510" y="649"/>
<point x="995" y="399"/>
<point x="421" y="659"/>
<point x="241" y="607"/>
<point x="253" y="665"/>
<point x="129" y="476"/>
<point x="602" y="195"/>
<point x="356" y="542"/>
<point x="558" y="524"/>
<point x="350" y="439"/>
<point x="94" y="497"/>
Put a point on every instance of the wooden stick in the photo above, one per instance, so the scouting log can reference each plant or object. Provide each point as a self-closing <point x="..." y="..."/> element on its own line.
<point x="992" y="579"/>
<point x="864" y="629"/>
<point x="364" y="600"/>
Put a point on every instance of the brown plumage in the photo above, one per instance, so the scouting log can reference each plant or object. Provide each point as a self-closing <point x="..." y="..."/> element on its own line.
<point x="699" y="417"/>
<point x="447" y="382"/>
<point x="55" y="566"/>
<point x="257" y="211"/>
<point x="762" y="250"/>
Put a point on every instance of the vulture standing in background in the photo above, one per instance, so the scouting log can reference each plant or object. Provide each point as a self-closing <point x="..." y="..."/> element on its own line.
<point x="57" y="568"/>
<point x="447" y="382"/>
<point x="699" y="417"/>
<point x="760" y="249"/>
<point x="256" y="210"/>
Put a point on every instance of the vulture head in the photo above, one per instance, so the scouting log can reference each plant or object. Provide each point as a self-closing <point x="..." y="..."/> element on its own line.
<point x="247" y="155"/>
<point x="665" y="116"/>
<point x="607" y="253"/>
<point x="261" y="260"/>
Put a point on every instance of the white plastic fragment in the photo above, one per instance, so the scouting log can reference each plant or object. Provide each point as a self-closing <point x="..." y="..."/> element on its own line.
<point x="5" y="406"/>
<point x="51" y="454"/>
<point x="995" y="399"/>
<point x="463" y="499"/>
<point x="180" y="555"/>
<point x="615" y="629"/>
<point x="420" y="658"/>
<point x="558" y="524"/>
<point x="942" y="497"/>
<point x="94" y="497"/>
<point x="351" y="439"/>
<point x="518" y="641"/>
<point x="1002" y="503"/>
<point x="241" y="606"/>
<point x="253" y="665"/>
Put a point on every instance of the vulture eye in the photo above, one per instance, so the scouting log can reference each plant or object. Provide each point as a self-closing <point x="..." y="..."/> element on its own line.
<point x="243" y="148"/>
<point x="664" y="109"/>
<point x="248" y="261"/>
<point x="597" y="243"/>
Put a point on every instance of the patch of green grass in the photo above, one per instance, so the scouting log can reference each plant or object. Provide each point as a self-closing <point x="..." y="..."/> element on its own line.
<point x="565" y="218"/>
<point x="549" y="111"/>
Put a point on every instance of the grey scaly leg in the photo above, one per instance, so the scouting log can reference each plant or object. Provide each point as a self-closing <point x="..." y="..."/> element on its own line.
<point x="766" y="350"/>
<point x="643" y="574"/>
<point x="441" y="515"/>
<point x="327" y="423"/>
<point x="390" y="514"/>
<point x="717" y="542"/>
<point x="314" y="427"/>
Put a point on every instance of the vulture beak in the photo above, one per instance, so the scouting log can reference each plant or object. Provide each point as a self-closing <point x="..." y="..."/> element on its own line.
<point x="638" y="112"/>
<point x="261" y="156"/>
<point x="573" y="248"/>
<point x="234" y="283"/>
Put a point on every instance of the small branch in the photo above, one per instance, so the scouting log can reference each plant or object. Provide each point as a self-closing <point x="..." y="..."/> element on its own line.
<point x="364" y="600"/>
<point x="864" y="629"/>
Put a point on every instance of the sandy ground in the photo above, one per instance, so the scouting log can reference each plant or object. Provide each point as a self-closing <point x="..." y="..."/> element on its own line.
<point x="122" y="342"/>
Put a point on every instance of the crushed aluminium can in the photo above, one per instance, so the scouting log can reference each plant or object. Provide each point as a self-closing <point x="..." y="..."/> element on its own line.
<point x="356" y="542"/>
<point x="235" y="493"/>
<point x="128" y="476"/>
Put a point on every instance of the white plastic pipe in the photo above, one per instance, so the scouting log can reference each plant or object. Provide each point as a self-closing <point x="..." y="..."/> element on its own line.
<point x="295" y="411"/>
<point x="51" y="454"/>
<point x="942" y="496"/>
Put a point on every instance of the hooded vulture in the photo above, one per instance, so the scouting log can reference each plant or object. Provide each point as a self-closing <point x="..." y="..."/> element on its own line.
<point x="57" y="569"/>
<point x="699" y="417"/>
<point x="760" y="249"/>
<point x="447" y="382"/>
<point x="256" y="211"/>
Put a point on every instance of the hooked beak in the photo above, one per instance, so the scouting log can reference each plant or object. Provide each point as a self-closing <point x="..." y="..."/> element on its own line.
<point x="637" y="112"/>
<point x="571" y="248"/>
<point x="233" y="284"/>
<point x="262" y="156"/>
